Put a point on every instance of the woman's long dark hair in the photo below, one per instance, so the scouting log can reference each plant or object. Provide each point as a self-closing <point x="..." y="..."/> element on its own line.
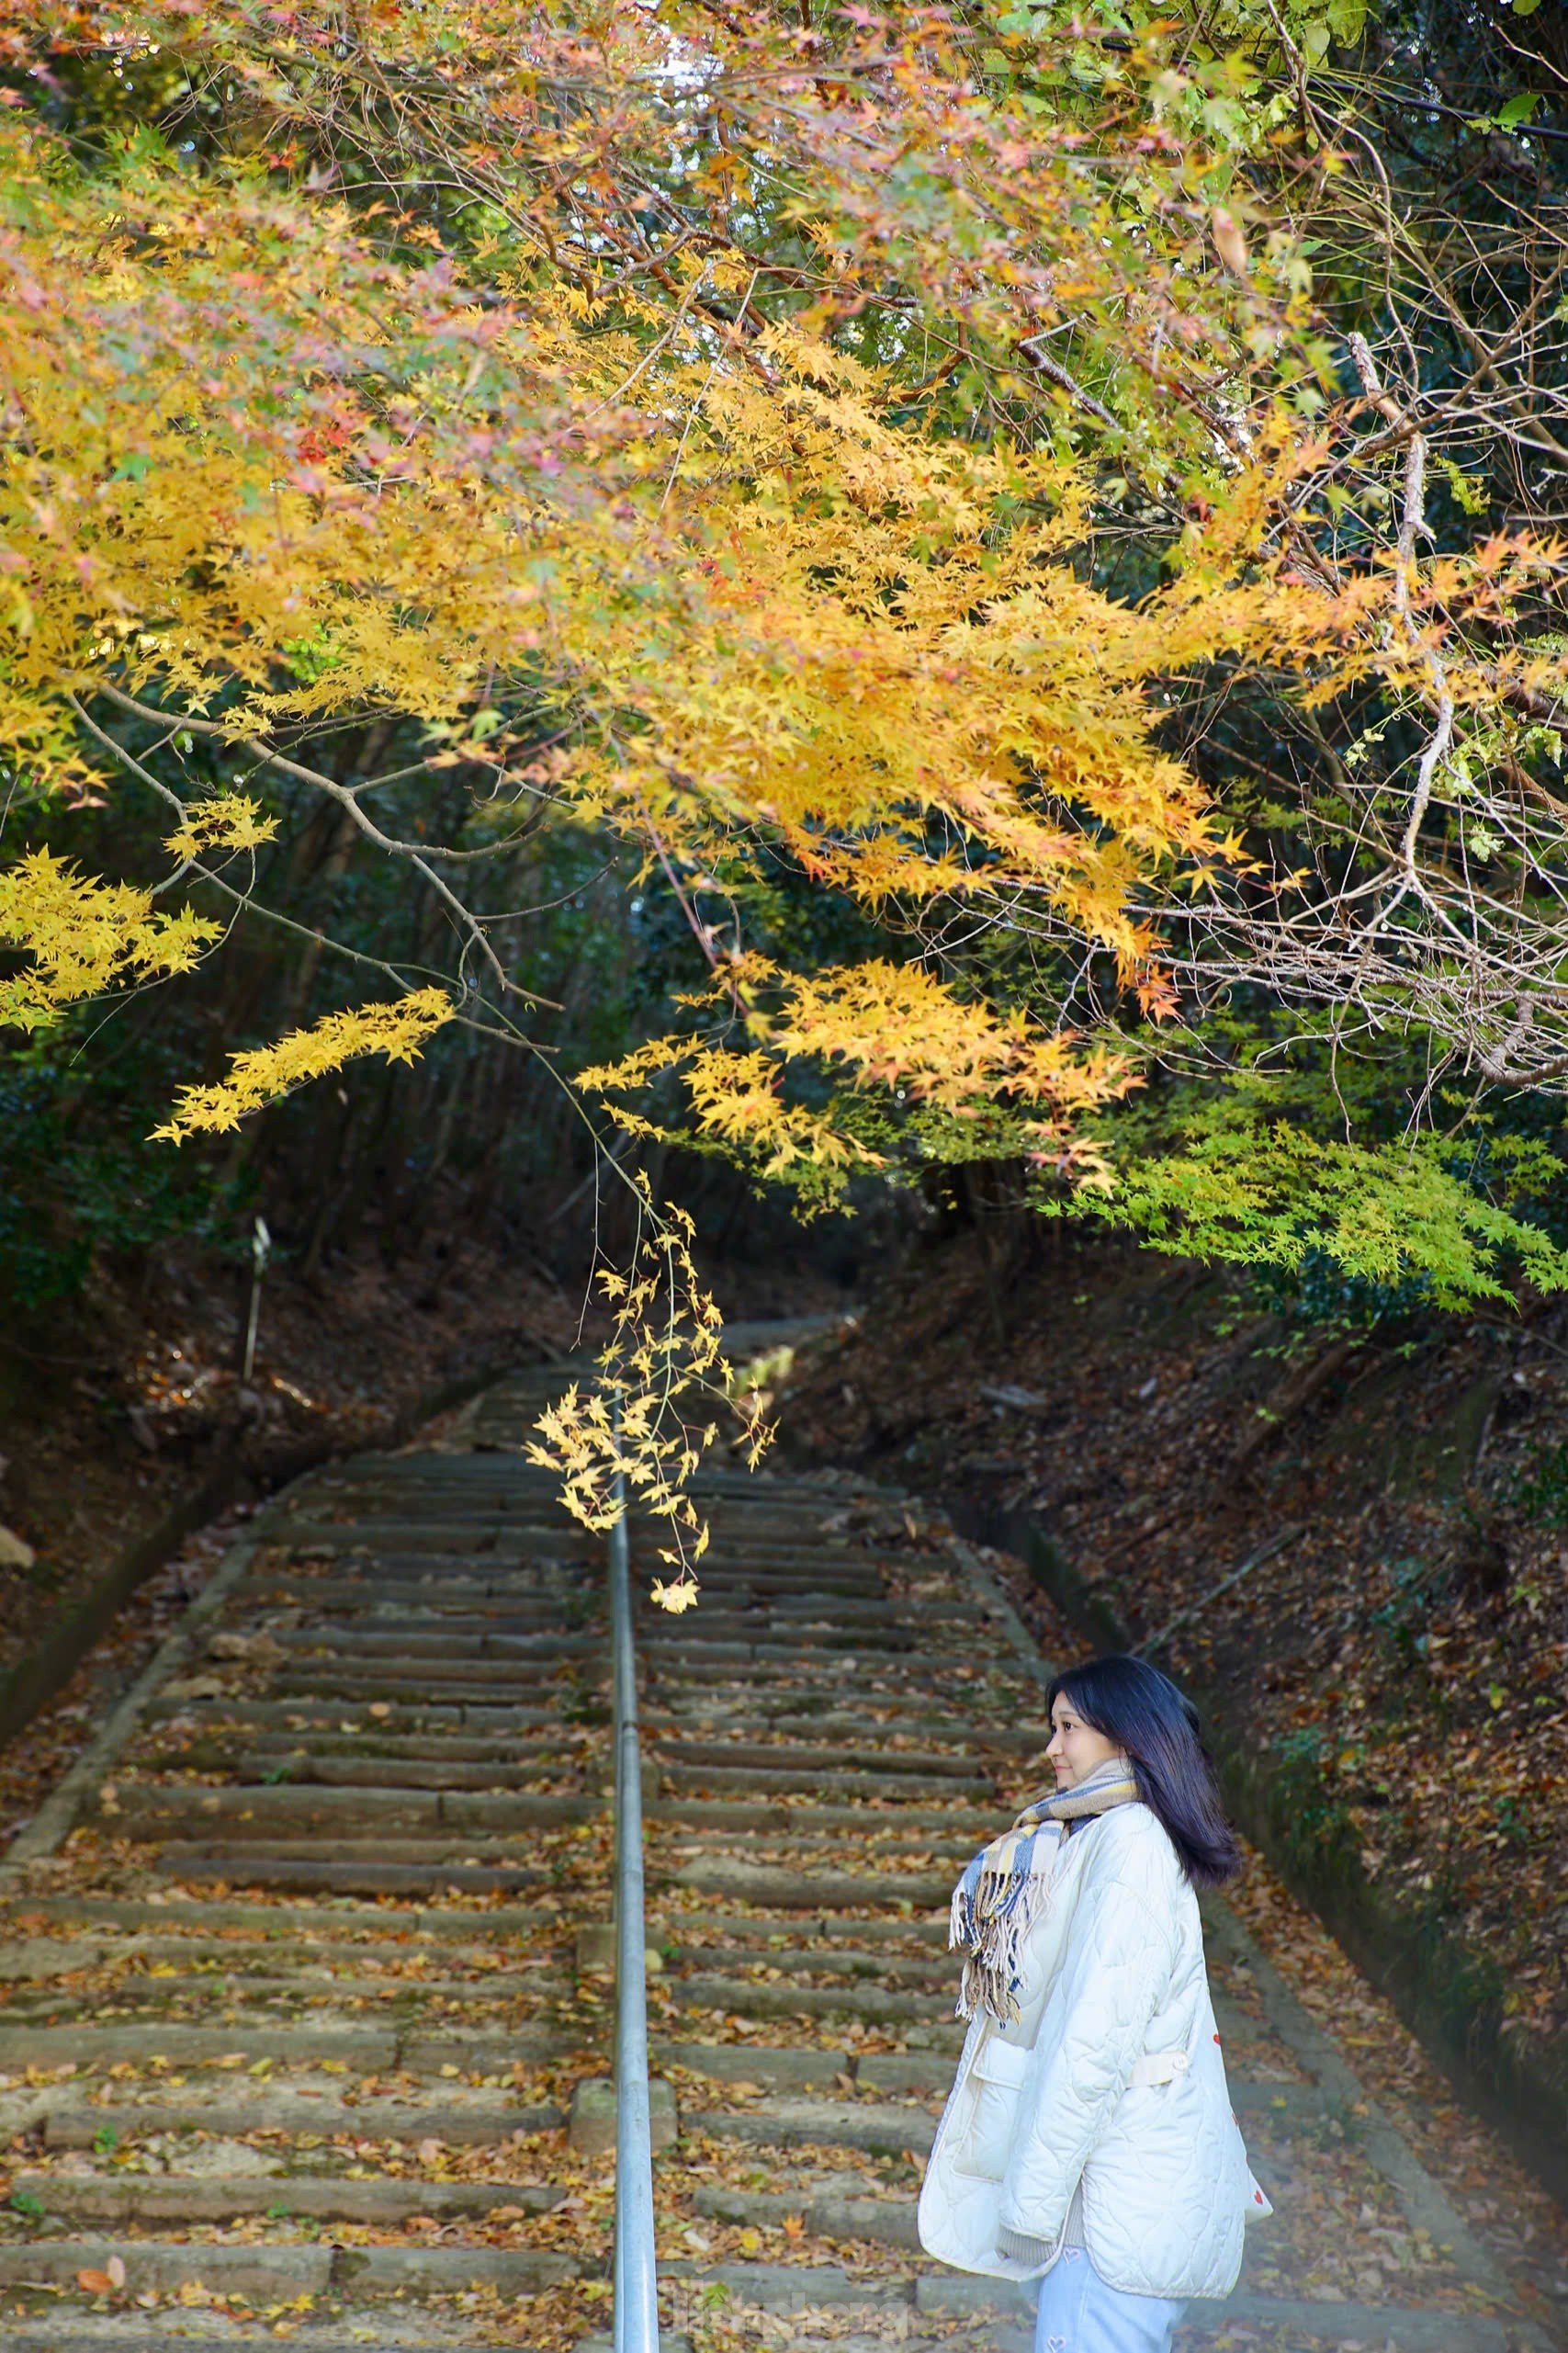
<point x="1133" y="1704"/>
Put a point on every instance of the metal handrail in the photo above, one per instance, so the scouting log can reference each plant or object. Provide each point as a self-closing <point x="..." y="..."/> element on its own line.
<point x="637" y="2283"/>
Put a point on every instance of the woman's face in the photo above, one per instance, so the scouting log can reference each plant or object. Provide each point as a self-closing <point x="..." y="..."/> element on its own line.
<point x="1076" y="1747"/>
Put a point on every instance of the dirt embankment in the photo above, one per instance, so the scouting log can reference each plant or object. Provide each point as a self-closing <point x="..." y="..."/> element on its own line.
<point x="131" y="1399"/>
<point x="1389" y="1666"/>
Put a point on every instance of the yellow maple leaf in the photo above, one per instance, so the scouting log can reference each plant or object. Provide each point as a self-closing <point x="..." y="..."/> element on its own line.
<point x="681" y="1594"/>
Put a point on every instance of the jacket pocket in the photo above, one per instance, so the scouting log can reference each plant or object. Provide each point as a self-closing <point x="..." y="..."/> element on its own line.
<point x="986" y="2125"/>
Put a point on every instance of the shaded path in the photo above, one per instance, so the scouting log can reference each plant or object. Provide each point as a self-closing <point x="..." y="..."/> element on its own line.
<point x="293" y="2020"/>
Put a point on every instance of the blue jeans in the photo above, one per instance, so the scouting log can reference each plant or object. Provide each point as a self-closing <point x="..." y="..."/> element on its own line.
<point x="1080" y="2313"/>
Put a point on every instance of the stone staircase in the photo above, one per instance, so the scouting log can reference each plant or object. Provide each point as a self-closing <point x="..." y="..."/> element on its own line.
<point x="306" y="1970"/>
<point x="292" y="2019"/>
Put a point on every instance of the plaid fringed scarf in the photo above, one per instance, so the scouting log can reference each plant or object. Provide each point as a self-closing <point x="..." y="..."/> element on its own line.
<point x="1000" y="1897"/>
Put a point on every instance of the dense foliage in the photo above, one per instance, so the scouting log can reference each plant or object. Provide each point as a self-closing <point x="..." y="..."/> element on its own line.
<point x="1032" y="540"/>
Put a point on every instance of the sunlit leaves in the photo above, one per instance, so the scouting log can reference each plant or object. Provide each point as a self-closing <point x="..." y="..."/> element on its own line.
<point x="1403" y="1212"/>
<point x="81" y="936"/>
<point x="397" y="1031"/>
<point x="634" y="1437"/>
<point x="225" y="821"/>
<point x="894" y="1028"/>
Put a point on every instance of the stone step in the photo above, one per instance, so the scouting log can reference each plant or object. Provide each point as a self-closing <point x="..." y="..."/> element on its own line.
<point x="880" y="1840"/>
<point x="445" y="1643"/>
<point x="465" y="1849"/>
<point x="856" y="1968"/>
<point x="479" y="1682"/>
<point x="366" y="1735"/>
<point x="383" y="1601"/>
<point x="327" y="1923"/>
<point x="533" y="1537"/>
<point x="513" y="1673"/>
<point x="736" y="1667"/>
<point x="296" y="1874"/>
<point x="739" y="1558"/>
<point x="746" y="1883"/>
<point x="773" y="2067"/>
<point x="460" y="2116"/>
<point x="540" y="1382"/>
<point x="263" y="1811"/>
<point x="855" y="1599"/>
<point x="959" y="1726"/>
<point x="1336" y="2325"/>
<point x="962" y="1822"/>
<point x="787" y="1760"/>
<point x="212" y="1979"/>
<point x="395" y="1760"/>
<point x="312" y="1767"/>
<point x="513" y="1497"/>
<point x="885" y="2221"/>
<point x="527" y="1548"/>
<point x="737" y="1585"/>
<point x="748" y="1998"/>
<point x="307" y="1714"/>
<point x="365" y="2050"/>
<point x="533" y="1526"/>
<point x="739" y="1554"/>
<point x="926" y="2003"/>
<point x="733" y="1612"/>
<point x="677" y="1928"/>
<point x="514" y="1563"/>
<point x="901" y="1790"/>
<point x="916" y="2074"/>
<point x="109" y="2199"/>
<point x="146" y="1962"/>
<point x="476" y="1603"/>
<point x="967" y="1740"/>
<point x="333" y="2330"/>
<point x="881" y="2127"/>
<point x="742" y="1650"/>
<point x="797" y="2286"/>
<point x="1302" y="2324"/>
<point x="313" y="1712"/>
<point x="414" y="1501"/>
<point x="279" y="2273"/>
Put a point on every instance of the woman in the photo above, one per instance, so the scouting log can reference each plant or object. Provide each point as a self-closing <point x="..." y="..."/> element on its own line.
<point x="1089" y="2140"/>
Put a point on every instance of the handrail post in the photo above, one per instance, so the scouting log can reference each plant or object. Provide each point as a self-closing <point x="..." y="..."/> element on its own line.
<point x="637" y="2286"/>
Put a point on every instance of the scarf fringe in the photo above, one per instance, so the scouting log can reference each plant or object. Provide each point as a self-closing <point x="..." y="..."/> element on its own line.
<point x="999" y="1898"/>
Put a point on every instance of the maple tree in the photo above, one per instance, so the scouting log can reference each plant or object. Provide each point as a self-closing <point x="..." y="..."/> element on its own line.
<point x="891" y="448"/>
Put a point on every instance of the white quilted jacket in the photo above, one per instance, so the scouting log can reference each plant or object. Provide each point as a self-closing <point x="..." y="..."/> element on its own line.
<point x="1113" y="2073"/>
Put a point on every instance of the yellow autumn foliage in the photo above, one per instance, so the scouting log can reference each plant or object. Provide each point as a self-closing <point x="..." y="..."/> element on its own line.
<point x="83" y="937"/>
<point x="562" y="486"/>
<point x="756" y="606"/>
<point x="397" y="1031"/>
<point x="637" y="1433"/>
<point x="222" y="821"/>
<point x="753" y="604"/>
<point x="894" y="1027"/>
